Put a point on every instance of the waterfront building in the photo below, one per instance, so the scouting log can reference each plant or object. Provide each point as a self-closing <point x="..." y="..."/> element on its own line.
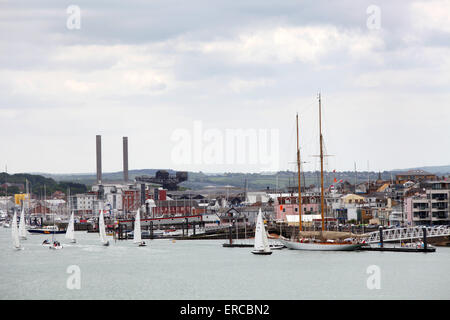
<point x="396" y="218"/>
<point x="287" y="205"/>
<point x="257" y="197"/>
<point x="430" y="208"/>
<point x="415" y="176"/>
<point x="84" y="203"/>
<point x="246" y="215"/>
<point x="6" y="202"/>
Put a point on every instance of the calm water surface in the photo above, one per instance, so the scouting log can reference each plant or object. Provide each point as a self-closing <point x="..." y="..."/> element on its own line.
<point x="205" y="270"/>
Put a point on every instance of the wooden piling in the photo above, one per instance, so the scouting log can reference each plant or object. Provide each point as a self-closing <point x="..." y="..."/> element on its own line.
<point x="425" y="239"/>
<point x="151" y="229"/>
<point x="381" y="237"/>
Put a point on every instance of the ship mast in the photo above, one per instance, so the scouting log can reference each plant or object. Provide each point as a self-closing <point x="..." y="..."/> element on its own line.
<point x="299" y="184"/>
<point x="321" y="164"/>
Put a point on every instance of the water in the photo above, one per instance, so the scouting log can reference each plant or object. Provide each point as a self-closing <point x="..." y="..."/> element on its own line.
<point x="205" y="270"/>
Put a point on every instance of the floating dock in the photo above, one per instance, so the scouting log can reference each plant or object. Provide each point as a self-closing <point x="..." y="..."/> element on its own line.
<point x="396" y="249"/>
<point x="237" y="245"/>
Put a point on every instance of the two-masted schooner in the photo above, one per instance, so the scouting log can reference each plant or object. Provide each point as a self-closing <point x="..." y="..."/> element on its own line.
<point x="310" y="243"/>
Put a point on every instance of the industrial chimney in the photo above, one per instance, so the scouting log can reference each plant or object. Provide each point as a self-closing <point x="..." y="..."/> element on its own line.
<point x="125" y="159"/>
<point x="99" y="158"/>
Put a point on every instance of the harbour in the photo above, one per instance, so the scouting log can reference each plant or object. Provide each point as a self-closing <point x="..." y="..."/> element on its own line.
<point x="218" y="150"/>
<point x="192" y="269"/>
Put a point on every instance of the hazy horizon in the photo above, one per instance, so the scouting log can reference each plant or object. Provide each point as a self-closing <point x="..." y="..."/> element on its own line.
<point x="211" y="173"/>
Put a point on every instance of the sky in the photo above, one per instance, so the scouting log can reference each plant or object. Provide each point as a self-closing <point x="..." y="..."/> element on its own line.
<point x="215" y="86"/>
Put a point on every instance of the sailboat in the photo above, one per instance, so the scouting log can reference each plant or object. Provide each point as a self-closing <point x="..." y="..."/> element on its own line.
<point x="22" y="229"/>
<point x="101" y="226"/>
<point x="70" y="232"/>
<point x="56" y="245"/>
<point x="310" y="243"/>
<point x="137" y="237"/>
<point x="261" y="242"/>
<point x="15" y="233"/>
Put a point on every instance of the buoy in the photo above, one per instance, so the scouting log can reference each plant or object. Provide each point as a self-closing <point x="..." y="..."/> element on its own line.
<point x="173" y="240"/>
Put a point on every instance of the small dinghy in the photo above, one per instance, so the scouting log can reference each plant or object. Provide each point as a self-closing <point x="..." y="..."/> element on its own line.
<point x="261" y="242"/>
<point x="55" y="246"/>
<point x="276" y="247"/>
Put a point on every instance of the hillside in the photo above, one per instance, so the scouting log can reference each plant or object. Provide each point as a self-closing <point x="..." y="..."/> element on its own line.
<point x="37" y="183"/>
<point x="438" y="170"/>
<point x="255" y="181"/>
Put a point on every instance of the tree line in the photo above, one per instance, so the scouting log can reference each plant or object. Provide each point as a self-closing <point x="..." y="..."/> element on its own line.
<point x="36" y="184"/>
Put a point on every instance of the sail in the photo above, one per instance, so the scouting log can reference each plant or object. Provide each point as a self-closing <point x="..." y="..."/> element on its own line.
<point x="70" y="233"/>
<point x="14" y="232"/>
<point x="101" y="226"/>
<point x="22" y="229"/>
<point x="261" y="241"/>
<point x="137" y="228"/>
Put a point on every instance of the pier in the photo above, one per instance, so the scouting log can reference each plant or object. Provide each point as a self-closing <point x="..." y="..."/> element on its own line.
<point x="395" y="249"/>
<point x="399" y="234"/>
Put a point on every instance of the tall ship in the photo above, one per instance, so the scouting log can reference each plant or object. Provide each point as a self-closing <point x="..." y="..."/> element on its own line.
<point x="321" y="243"/>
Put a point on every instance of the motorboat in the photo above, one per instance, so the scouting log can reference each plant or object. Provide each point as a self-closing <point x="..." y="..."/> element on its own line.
<point x="47" y="230"/>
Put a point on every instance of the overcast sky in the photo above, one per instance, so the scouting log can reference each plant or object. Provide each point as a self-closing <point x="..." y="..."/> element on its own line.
<point x="160" y="72"/>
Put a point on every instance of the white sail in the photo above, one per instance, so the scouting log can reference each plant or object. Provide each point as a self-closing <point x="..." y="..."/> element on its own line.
<point x="70" y="232"/>
<point x="15" y="232"/>
<point x="101" y="226"/>
<point x="261" y="241"/>
<point x="137" y="228"/>
<point x="22" y="229"/>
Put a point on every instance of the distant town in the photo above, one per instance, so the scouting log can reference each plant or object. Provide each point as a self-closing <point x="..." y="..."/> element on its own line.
<point x="406" y="198"/>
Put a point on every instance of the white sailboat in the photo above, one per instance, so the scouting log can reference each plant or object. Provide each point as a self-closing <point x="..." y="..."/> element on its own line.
<point x="15" y="233"/>
<point x="22" y="229"/>
<point x="137" y="236"/>
<point x="261" y="242"/>
<point x="70" y="232"/>
<point x="101" y="226"/>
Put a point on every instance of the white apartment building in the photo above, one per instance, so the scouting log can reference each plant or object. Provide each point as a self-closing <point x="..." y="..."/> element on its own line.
<point x="431" y="208"/>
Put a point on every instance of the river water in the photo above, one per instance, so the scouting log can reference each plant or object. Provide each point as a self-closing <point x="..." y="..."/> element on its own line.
<point x="200" y="269"/>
